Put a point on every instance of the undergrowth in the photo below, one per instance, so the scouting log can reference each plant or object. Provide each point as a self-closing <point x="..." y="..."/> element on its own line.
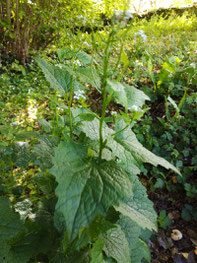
<point x="69" y="184"/>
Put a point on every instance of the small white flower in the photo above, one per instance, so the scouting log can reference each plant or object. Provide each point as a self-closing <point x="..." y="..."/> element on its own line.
<point x="83" y="19"/>
<point x="79" y="95"/>
<point x="118" y="12"/>
<point x="139" y="63"/>
<point x="32" y="216"/>
<point x="86" y="43"/>
<point x="77" y="62"/>
<point x="15" y="123"/>
<point x="141" y="33"/>
<point x="30" y="2"/>
<point x="128" y="14"/>
<point x="22" y="144"/>
<point x="113" y="113"/>
<point x="134" y="108"/>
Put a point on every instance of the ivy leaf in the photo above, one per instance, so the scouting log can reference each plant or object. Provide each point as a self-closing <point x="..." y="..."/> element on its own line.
<point x="78" y="198"/>
<point x="97" y="251"/>
<point x="129" y="141"/>
<point x="164" y="220"/>
<point x="116" y="245"/>
<point x="138" y="248"/>
<point x="139" y="208"/>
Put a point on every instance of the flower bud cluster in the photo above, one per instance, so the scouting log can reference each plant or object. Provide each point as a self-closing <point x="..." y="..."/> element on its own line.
<point x="135" y="108"/>
<point x="125" y="15"/>
<point x="79" y="94"/>
<point x="142" y="34"/>
<point x="77" y="62"/>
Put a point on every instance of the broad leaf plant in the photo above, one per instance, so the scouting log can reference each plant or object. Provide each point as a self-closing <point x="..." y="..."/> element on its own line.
<point x="102" y="212"/>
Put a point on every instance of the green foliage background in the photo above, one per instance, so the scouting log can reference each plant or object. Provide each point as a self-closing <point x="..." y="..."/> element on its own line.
<point x="49" y="169"/>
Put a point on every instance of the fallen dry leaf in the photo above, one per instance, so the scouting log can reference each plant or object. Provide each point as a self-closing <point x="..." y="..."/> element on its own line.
<point x="174" y="179"/>
<point x="179" y="258"/>
<point x="174" y="215"/>
<point x="162" y="243"/>
<point x="192" y="258"/>
<point x="185" y="257"/>
<point x="192" y="233"/>
<point x="194" y="241"/>
<point x="174" y="251"/>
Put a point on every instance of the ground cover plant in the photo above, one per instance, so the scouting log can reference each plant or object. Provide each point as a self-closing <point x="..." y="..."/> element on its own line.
<point x="71" y="142"/>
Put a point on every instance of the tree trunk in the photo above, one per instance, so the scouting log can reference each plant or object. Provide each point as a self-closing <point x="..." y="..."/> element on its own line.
<point x="17" y="21"/>
<point x="17" y="44"/>
<point x="8" y="9"/>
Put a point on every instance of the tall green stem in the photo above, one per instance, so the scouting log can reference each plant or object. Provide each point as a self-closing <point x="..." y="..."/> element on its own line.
<point x="118" y="132"/>
<point x="104" y="94"/>
<point x="121" y="49"/>
<point x="56" y="114"/>
<point x="70" y="105"/>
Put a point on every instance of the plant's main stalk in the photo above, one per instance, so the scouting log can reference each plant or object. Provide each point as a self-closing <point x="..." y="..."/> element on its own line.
<point x="104" y="93"/>
<point x="70" y="105"/>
